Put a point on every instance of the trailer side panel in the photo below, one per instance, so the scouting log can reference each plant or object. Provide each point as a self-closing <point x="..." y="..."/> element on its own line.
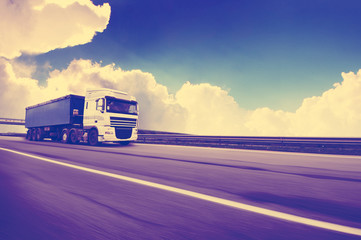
<point x="55" y="112"/>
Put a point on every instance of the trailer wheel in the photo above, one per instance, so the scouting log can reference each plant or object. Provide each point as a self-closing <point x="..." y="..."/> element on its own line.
<point x="65" y="136"/>
<point x="33" y="134"/>
<point x="28" y="135"/>
<point x="93" y="137"/>
<point x="73" y="137"/>
<point x="39" y="134"/>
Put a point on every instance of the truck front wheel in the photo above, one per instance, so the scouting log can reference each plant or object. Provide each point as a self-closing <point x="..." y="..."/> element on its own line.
<point x="73" y="137"/>
<point x="93" y="137"/>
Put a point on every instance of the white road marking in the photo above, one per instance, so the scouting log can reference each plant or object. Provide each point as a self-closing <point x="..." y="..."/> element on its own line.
<point x="229" y="203"/>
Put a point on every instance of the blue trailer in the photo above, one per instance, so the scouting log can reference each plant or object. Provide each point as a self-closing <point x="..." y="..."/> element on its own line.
<point x="48" y="118"/>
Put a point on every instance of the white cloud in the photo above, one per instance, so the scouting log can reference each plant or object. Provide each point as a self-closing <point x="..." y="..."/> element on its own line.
<point x="210" y="110"/>
<point x="337" y="112"/>
<point x="158" y="107"/>
<point x="195" y="108"/>
<point x="159" y="111"/>
<point x="267" y="122"/>
<point x="38" y="26"/>
<point x="16" y="91"/>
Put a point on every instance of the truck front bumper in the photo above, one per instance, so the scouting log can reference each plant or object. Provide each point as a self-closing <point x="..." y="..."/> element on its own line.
<point x="112" y="134"/>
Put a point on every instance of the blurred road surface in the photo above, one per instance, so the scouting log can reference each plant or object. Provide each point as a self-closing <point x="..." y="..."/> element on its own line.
<point x="43" y="200"/>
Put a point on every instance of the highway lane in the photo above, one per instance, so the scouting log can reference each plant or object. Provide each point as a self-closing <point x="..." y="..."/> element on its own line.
<point x="41" y="200"/>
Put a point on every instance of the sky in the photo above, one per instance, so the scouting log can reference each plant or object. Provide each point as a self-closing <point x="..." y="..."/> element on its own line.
<point x="271" y="68"/>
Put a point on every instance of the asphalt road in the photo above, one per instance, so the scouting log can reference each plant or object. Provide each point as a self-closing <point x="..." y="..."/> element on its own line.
<point x="91" y="198"/>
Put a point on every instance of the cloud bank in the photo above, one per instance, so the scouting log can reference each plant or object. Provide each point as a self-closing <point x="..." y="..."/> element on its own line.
<point x="195" y="108"/>
<point x="38" y="26"/>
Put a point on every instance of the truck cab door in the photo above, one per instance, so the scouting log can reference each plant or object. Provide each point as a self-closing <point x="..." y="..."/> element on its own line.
<point x="94" y="113"/>
<point x="100" y="109"/>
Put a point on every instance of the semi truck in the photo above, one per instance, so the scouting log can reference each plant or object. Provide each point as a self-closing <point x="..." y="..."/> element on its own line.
<point x="103" y="115"/>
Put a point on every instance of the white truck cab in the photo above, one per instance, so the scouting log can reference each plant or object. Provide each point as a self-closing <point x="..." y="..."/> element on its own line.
<point x="110" y="116"/>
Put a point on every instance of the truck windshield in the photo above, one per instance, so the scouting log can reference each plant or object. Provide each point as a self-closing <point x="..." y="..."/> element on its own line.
<point x="121" y="106"/>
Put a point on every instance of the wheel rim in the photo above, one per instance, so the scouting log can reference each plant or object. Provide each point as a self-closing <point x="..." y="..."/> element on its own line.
<point x="65" y="137"/>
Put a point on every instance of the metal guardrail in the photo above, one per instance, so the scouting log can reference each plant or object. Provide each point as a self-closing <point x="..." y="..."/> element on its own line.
<point x="260" y="140"/>
<point x="291" y="144"/>
<point x="10" y="121"/>
<point x="351" y="146"/>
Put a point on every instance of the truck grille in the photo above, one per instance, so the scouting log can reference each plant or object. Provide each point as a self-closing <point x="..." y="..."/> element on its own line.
<point x="123" y="133"/>
<point x="123" y="122"/>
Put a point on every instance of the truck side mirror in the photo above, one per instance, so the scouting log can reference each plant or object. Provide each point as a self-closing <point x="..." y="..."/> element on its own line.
<point x="100" y="104"/>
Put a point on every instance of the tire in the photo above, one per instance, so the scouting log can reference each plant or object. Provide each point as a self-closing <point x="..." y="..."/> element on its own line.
<point x="73" y="137"/>
<point x="33" y="134"/>
<point x="39" y="134"/>
<point x="28" y="135"/>
<point x="65" y="136"/>
<point x="93" y="137"/>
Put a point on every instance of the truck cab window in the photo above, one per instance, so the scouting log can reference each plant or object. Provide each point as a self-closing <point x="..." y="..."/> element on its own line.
<point x="121" y="106"/>
<point x="100" y="104"/>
